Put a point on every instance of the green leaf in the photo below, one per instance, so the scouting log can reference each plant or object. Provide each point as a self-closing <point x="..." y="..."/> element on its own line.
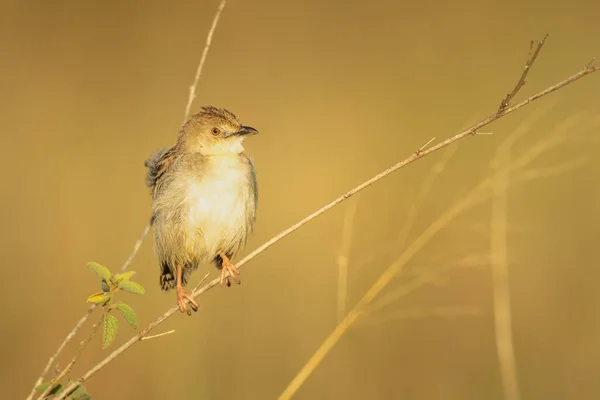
<point x="131" y="287"/>
<point x="55" y="390"/>
<point x="99" y="298"/>
<point x="109" y="329"/>
<point x="79" y="393"/>
<point x="42" y="387"/>
<point x="101" y="270"/>
<point x="82" y="396"/>
<point x="128" y="314"/>
<point x="125" y="276"/>
<point x="105" y="286"/>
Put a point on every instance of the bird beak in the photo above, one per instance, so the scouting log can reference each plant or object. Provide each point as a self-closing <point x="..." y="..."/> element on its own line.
<point x="245" y="130"/>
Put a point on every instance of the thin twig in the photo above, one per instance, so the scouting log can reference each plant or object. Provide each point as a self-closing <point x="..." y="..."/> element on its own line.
<point x="69" y="366"/>
<point x="500" y="284"/>
<point x="158" y="335"/>
<point x="425" y="145"/>
<point x="342" y="260"/>
<point x="415" y="246"/>
<point x="137" y="246"/>
<point x="193" y="86"/>
<point x="201" y="281"/>
<point x="532" y="56"/>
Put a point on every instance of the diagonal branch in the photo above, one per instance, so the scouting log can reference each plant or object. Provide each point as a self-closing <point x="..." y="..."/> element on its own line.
<point x="350" y="318"/>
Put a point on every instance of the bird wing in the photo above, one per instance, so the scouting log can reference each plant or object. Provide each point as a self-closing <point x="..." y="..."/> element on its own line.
<point x="158" y="163"/>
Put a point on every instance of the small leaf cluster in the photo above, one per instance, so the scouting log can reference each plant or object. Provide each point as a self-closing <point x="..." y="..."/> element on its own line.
<point x="111" y="284"/>
<point x="78" y="394"/>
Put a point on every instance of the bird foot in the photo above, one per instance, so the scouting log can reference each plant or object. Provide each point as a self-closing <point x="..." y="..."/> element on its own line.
<point x="184" y="300"/>
<point x="228" y="272"/>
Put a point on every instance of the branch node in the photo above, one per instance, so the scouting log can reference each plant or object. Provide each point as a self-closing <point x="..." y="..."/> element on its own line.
<point x="420" y="150"/>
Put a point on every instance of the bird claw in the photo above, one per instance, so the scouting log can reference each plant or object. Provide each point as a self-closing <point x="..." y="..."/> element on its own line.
<point x="229" y="272"/>
<point x="184" y="300"/>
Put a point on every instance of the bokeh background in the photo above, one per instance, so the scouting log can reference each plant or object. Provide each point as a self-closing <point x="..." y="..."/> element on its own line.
<point x="340" y="90"/>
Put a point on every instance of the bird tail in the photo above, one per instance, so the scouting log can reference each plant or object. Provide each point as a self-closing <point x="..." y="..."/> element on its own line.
<point x="167" y="278"/>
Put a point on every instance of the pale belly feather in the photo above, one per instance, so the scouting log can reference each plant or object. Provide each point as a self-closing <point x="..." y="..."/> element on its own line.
<point x="218" y="207"/>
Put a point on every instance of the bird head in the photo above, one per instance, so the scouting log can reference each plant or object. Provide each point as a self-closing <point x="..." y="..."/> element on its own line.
<point x="214" y="131"/>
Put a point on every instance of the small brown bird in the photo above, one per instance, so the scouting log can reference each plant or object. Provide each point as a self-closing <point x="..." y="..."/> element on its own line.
<point x="204" y="199"/>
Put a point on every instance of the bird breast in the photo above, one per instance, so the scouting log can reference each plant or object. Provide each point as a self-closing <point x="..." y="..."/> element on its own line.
<point x="221" y="203"/>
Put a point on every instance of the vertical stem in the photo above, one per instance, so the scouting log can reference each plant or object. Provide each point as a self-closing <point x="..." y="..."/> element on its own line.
<point x="342" y="261"/>
<point x="501" y="287"/>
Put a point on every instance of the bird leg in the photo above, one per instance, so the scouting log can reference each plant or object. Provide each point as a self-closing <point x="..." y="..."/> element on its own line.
<point x="183" y="298"/>
<point x="228" y="271"/>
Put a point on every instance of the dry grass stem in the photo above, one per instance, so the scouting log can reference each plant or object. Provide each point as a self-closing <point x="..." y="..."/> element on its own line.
<point x="421" y="195"/>
<point x="439" y="312"/>
<point x="342" y="260"/>
<point x="500" y="280"/>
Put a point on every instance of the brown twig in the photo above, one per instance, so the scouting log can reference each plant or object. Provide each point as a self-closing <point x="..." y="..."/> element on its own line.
<point x="69" y="366"/>
<point x="415" y="156"/>
<point x="193" y="86"/>
<point x="532" y="56"/>
<point x="137" y="246"/>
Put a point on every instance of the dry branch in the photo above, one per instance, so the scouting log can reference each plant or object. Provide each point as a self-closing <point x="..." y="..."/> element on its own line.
<point x="532" y="57"/>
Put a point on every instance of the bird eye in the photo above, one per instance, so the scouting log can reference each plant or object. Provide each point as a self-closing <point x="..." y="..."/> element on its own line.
<point x="216" y="131"/>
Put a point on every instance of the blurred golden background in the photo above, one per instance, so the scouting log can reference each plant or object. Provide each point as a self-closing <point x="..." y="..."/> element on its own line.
<point x="339" y="91"/>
